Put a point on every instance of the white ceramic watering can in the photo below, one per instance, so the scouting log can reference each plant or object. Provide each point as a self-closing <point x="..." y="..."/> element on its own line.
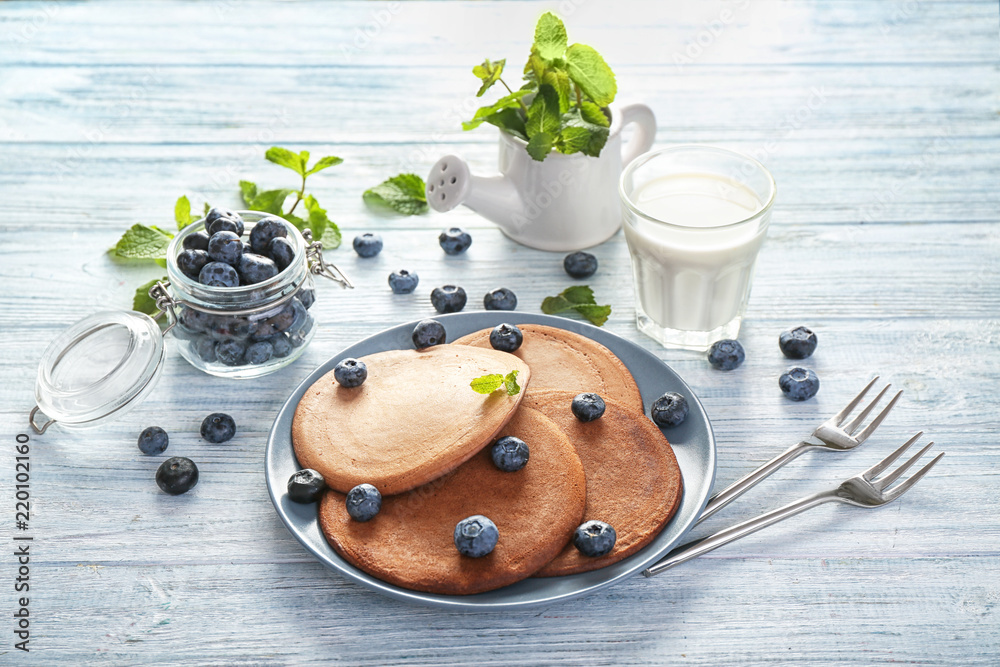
<point x="566" y="202"/>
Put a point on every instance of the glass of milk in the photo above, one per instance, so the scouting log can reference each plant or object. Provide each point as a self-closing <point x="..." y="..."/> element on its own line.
<point x="695" y="219"/>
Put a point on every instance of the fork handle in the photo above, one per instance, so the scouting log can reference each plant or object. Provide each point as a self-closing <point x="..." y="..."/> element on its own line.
<point x="704" y="545"/>
<point x="744" y="484"/>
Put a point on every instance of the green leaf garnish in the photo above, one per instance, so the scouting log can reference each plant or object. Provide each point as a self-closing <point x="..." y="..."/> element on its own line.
<point x="579" y="299"/>
<point x="144" y="303"/>
<point x="323" y="229"/>
<point x="143" y="242"/>
<point x="510" y="383"/>
<point x="182" y="212"/>
<point x="403" y="193"/>
<point x="488" y="73"/>
<point x="324" y="163"/>
<point x="550" y="36"/>
<point x="487" y="384"/>
<point x="286" y="158"/>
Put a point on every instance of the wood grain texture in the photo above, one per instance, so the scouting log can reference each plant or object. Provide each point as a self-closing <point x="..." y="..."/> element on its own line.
<point x="880" y="124"/>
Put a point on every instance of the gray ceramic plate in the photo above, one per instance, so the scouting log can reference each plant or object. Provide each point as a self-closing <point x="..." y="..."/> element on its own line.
<point x="693" y="443"/>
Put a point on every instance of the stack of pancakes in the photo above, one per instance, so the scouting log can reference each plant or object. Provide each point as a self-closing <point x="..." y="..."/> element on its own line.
<point x="421" y="435"/>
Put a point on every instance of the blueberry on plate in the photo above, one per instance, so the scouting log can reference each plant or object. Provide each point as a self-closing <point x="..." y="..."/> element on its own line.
<point x="368" y="244"/>
<point x="218" y="274"/>
<point x="306" y="486"/>
<point x="509" y="454"/>
<point x="350" y="373"/>
<point x="594" y="538"/>
<point x="428" y="333"/>
<point x="476" y="536"/>
<point x="264" y="231"/>
<point x="281" y="252"/>
<point x="177" y="475"/>
<point x="153" y="440"/>
<point x="217" y="212"/>
<point x="363" y="502"/>
<point x="506" y="337"/>
<point x="218" y="427"/>
<point x="797" y="343"/>
<point x="282" y="346"/>
<point x="196" y="241"/>
<point x="403" y="281"/>
<point x="454" y="241"/>
<point x="588" y="406"/>
<point x="448" y="299"/>
<point x="500" y="299"/>
<point x="580" y="264"/>
<point x="254" y="268"/>
<point x="307" y="297"/>
<point x="668" y="410"/>
<point x="726" y="354"/>
<point x="225" y="247"/>
<point x="798" y="384"/>
<point x="259" y="353"/>
<point x="230" y="351"/>
<point x="191" y="262"/>
<point x="204" y="347"/>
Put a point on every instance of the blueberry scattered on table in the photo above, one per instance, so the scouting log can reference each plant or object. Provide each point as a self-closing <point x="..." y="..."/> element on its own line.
<point x="254" y="268"/>
<point x="580" y="264"/>
<point x="368" y="244"/>
<point x="281" y="252"/>
<point x="177" y="475"/>
<point x="306" y="486"/>
<point x="669" y="410"/>
<point x="153" y="440"/>
<point x="506" y="337"/>
<point x="500" y="299"/>
<point x="225" y="247"/>
<point x="476" y="536"/>
<point x="264" y="231"/>
<point x="509" y="454"/>
<point x="191" y="262"/>
<point x="350" y="373"/>
<point x="726" y="354"/>
<point x="454" y="241"/>
<point x="230" y="351"/>
<point x="218" y="274"/>
<point x="259" y="353"/>
<point x="428" y="333"/>
<point x="594" y="538"/>
<point x="799" y="384"/>
<point x="448" y="298"/>
<point x="363" y="502"/>
<point x="588" y="406"/>
<point x="218" y="427"/>
<point x="797" y="343"/>
<point x="403" y="281"/>
<point x="196" y="241"/>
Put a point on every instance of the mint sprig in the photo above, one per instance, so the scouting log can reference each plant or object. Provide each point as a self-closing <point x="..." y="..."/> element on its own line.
<point x="579" y="299"/>
<point x="487" y="384"/>
<point x="403" y="193"/>
<point x="144" y="303"/>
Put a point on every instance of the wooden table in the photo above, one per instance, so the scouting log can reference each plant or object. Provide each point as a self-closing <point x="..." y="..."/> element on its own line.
<point x="879" y="122"/>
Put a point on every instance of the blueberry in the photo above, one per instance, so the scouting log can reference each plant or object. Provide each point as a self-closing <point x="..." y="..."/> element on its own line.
<point x="367" y="244"/>
<point x="798" y="384"/>
<point x="204" y="347"/>
<point x="153" y="440"/>
<point x="277" y="323"/>
<point x="223" y="328"/>
<point x="282" y="252"/>
<point x="306" y="486"/>
<point x="403" y="281"/>
<point x="726" y="354"/>
<point x="225" y="247"/>
<point x="509" y="454"/>
<point x="225" y="225"/>
<point x="797" y="343"/>
<point x="350" y="373"/>
<point x="218" y="427"/>
<point x="177" y="475"/>
<point x="307" y="296"/>
<point x="259" y="353"/>
<point x="191" y="262"/>
<point x="448" y="299"/>
<point x="580" y="264"/>
<point x="476" y="536"/>
<point x="588" y="406"/>
<point x="428" y="333"/>
<point x="500" y="299"/>
<point x="230" y="351"/>
<point x="218" y="212"/>
<point x="671" y="409"/>
<point x="256" y="268"/>
<point x="506" y="337"/>
<point x="218" y="274"/>
<point x="193" y="321"/>
<point x="298" y="338"/>
<point x="454" y="241"/>
<point x="264" y="231"/>
<point x="363" y="502"/>
<point x="196" y="241"/>
<point x="282" y="346"/>
<point x="594" y="538"/>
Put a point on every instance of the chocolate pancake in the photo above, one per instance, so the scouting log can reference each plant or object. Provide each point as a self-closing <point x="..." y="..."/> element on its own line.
<point x="410" y="542"/>
<point x="633" y="481"/>
<point x="414" y="418"/>
<point x="561" y="359"/>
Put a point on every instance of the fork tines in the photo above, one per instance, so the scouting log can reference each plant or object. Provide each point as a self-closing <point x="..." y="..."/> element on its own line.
<point x="881" y="484"/>
<point x="853" y="425"/>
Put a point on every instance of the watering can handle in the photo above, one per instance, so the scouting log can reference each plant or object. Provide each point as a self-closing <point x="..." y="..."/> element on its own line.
<point x="645" y="130"/>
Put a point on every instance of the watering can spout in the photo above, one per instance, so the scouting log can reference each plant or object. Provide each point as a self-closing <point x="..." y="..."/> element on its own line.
<point x="496" y="198"/>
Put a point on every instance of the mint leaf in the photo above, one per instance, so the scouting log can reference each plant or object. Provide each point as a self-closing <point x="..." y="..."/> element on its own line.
<point x="403" y="193"/>
<point x="589" y="71"/>
<point x="286" y="158"/>
<point x="270" y="201"/>
<point x="578" y="294"/>
<point x="323" y="229"/>
<point x="550" y="36"/>
<point x="510" y="383"/>
<point x="510" y="121"/>
<point x="593" y="114"/>
<point x="249" y="192"/>
<point x="580" y="299"/>
<point x="144" y="303"/>
<point x="543" y="114"/>
<point x="559" y="80"/>
<point x="512" y="101"/>
<point x="597" y="315"/>
<point x="579" y="134"/>
<point x="540" y="145"/>
<point x="324" y="163"/>
<point x="487" y="384"/>
<point x="489" y="73"/>
<point x="182" y="212"/>
<point x="142" y="242"/>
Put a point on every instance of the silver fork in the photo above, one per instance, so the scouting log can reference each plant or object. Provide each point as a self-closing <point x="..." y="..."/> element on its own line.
<point x="832" y="434"/>
<point x="861" y="491"/>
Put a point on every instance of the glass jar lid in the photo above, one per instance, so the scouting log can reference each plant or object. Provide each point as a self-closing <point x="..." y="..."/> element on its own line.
<point x="102" y="366"/>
